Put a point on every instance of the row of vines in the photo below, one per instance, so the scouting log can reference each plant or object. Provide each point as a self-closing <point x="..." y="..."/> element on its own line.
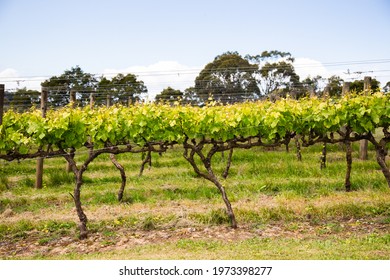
<point x="202" y="132"/>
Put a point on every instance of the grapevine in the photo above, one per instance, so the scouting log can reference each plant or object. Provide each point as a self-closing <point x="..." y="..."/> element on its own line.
<point x="146" y="128"/>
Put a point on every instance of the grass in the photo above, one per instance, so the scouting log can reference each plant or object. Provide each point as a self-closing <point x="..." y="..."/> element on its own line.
<point x="333" y="248"/>
<point x="285" y="209"/>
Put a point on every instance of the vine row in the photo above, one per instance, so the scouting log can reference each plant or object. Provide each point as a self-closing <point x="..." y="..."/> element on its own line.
<point x="202" y="132"/>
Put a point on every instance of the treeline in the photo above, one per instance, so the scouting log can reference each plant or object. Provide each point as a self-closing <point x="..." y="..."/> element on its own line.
<point x="229" y="78"/>
<point x="82" y="87"/>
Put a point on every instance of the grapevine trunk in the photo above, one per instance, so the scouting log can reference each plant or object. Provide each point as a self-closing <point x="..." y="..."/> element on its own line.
<point x="349" y="165"/>
<point x="381" y="159"/>
<point x="123" y="176"/>
<point x="77" y="201"/>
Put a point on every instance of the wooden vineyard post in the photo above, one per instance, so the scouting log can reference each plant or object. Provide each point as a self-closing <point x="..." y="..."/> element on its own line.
<point x="327" y="91"/>
<point x="72" y="98"/>
<point x="2" y="91"/>
<point x="108" y="100"/>
<point x="346" y="87"/>
<point x="39" y="169"/>
<point x="363" y="149"/>
<point x="129" y="102"/>
<point x="91" y="100"/>
<point x="312" y="92"/>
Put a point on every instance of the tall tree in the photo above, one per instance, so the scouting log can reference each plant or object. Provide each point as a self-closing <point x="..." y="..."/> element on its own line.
<point x="23" y="99"/>
<point x="190" y="96"/>
<point x="313" y="86"/>
<point x="334" y="87"/>
<point x="103" y="91"/>
<point x="169" y="95"/>
<point x="358" y="85"/>
<point x="124" y="89"/>
<point x="229" y="78"/>
<point x="276" y="73"/>
<point x="386" y="88"/>
<point x="74" y="79"/>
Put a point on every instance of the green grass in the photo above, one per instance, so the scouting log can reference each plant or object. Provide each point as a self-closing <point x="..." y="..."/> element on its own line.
<point x="266" y="188"/>
<point x="359" y="248"/>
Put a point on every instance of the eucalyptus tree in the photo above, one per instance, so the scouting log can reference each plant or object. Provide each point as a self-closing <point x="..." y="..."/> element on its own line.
<point x="229" y="78"/>
<point x="169" y="95"/>
<point x="275" y="74"/>
<point x="76" y="80"/>
<point x="123" y="89"/>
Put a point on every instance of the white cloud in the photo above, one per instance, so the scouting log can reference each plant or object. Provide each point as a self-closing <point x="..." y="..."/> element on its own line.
<point x="306" y="67"/>
<point x="160" y="75"/>
<point x="12" y="80"/>
<point x="8" y="73"/>
<point x="7" y="77"/>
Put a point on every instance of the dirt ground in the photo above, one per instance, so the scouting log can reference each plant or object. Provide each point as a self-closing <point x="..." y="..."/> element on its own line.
<point x="33" y="244"/>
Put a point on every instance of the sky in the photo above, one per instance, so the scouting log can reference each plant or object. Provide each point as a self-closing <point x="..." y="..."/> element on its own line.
<point x="167" y="43"/>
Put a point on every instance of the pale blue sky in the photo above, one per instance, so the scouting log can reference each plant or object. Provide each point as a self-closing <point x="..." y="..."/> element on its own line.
<point x="43" y="38"/>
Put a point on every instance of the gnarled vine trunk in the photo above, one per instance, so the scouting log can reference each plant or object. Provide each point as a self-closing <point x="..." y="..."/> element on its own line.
<point x="381" y="152"/>
<point x="228" y="164"/>
<point x="298" y="148"/>
<point x="209" y="175"/>
<point x="348" y="156"/>
<point x="145" y="160"/>
<point x="79" y="209"/>
<point x="78" y="174"/>
<point x="381" y="159"/>
<point x="123" y="176"/>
